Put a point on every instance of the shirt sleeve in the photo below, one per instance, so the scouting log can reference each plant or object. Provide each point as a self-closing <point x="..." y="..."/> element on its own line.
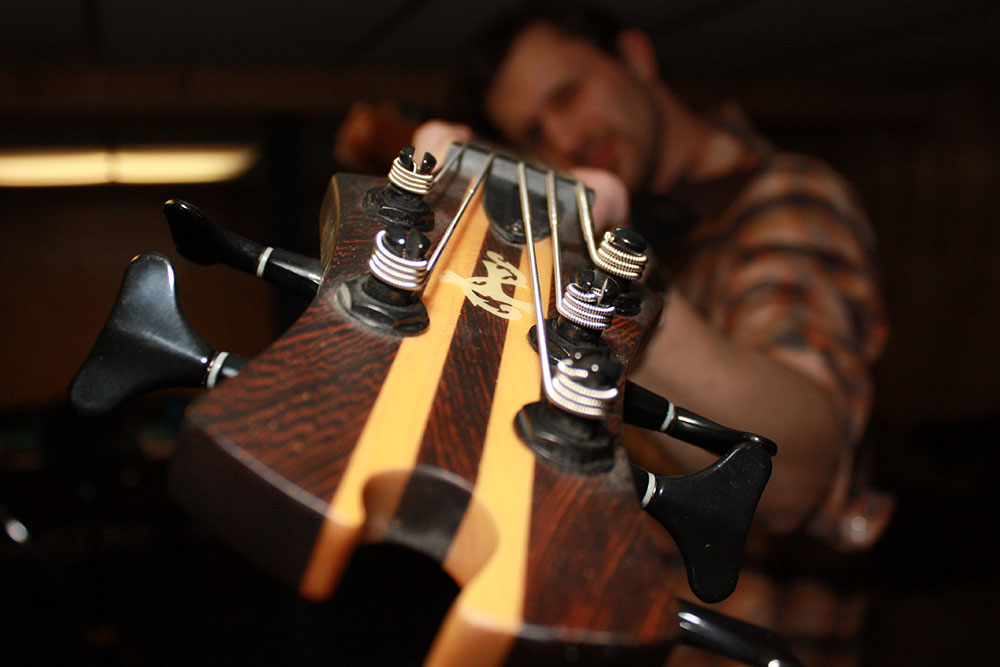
<point x="790" y="269"/>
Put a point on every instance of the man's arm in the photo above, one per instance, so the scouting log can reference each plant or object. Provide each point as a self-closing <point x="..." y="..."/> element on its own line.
<point x="784" y="395"/>
<point x="787" y="393"/>
<point x="772" y="328"/>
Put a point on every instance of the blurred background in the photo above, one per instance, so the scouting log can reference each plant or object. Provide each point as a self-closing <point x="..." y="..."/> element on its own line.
<point x="901" y="96"/>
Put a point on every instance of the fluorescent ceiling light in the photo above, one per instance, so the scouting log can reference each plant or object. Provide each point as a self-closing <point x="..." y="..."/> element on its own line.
<point x="56" y="167"/>
<point x="128" y="164"/>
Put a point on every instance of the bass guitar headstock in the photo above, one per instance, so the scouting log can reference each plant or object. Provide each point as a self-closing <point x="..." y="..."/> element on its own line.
<point x="417" y="402"/>
<point x="370" y="420"/>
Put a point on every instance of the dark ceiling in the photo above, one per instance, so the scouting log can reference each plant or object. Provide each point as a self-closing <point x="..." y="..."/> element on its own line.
<point x="933" y="39"/>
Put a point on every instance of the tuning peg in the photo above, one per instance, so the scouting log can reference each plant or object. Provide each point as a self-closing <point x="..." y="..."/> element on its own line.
<point x="147" y="344"/>
<point x="708" y="513"/>
<point x="567" y="427"/>
<point x="401" y="200"/>
<point x="622" y="254"/>
<point x="647" y="410"/>
<point x="202" y="241"/>
<point x="387" y="298"/>
<point x="732" y="638"/>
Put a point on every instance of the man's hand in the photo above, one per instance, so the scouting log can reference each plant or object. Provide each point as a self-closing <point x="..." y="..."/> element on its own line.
<point x="434" y="137"/>
<point x="611" y="200"/>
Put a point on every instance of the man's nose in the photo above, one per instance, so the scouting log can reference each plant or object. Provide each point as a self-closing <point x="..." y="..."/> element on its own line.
<point x="563" y="136"/>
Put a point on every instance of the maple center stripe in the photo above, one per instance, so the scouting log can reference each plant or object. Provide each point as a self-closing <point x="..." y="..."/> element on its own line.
<point x="395" y="428"/>
<point x="487" y="614"/>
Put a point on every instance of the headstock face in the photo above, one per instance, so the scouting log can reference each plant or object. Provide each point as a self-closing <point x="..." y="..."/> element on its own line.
<point x="340" y="433"/>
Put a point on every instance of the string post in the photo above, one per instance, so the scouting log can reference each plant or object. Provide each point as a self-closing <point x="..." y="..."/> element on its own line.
<point x="406" y="176"/>
<point x="622" y="254"/>
<point x="427" y="164"/>
<point x="401" y="200"/>
<point x="567" y="426"/>
<point x="399" y="258"/>
<point x="586" y="384"/>
<point x="588" y="301"/>
<point x="388" y="296"/>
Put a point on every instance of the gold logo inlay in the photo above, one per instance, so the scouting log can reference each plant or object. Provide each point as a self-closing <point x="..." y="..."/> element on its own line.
<point x="486" y="292"/>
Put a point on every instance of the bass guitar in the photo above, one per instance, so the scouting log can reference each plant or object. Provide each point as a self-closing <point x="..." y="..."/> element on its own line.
<point x="458" y="386"/>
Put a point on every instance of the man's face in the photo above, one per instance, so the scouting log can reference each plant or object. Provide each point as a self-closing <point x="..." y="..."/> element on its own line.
<point x="572" y="104"/>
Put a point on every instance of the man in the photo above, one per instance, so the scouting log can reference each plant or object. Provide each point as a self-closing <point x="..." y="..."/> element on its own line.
<point x="772" y="316"/>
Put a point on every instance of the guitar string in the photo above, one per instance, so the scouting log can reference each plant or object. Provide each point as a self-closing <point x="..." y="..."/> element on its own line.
<point x="448" y="164"/>
<point x="536" y="290"/>
<point x="550" y="195"/>
<point x="473" y="187"/>
<point x="627" y="264"/>
<point x="586" y="223"/>
<point x="566" y="390"/>
<point x="574" y="303"/>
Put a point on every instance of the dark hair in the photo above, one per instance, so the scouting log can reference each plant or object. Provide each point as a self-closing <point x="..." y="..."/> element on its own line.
<point x="490" y="47"/>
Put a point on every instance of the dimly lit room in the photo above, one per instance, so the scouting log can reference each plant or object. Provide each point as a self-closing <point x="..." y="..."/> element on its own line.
<point x="120" y="548"/>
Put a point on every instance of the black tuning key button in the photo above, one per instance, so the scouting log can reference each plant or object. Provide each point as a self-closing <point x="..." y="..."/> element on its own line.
<point x="748" y="643"/>
<point x="202" y="241"/>
<point x="708" y="513"/>
<point x="147" y="343"/>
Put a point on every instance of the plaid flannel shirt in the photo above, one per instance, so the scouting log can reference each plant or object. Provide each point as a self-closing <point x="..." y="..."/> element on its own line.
<point x="781" y="256"/>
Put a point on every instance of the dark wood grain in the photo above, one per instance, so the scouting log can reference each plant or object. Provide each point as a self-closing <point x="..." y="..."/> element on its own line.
<point x="263" y="457"/>
<point x="429" y="514"/>
<point x="462" y="406"/>
<point x="588" y="538"/>
<point x="275" y="440"/>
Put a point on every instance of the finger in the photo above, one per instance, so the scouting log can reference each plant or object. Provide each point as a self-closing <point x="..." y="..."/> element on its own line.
<point x="370" y="137"/>
<point x="611" y="199"/>
<point x="435" y="136"/>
